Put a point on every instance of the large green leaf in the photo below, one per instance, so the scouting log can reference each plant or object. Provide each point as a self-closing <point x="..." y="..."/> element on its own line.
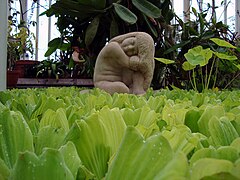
<point x="165" y="61"/>
<point x="46" y="103"/>
<point x="54" y="42"/>
<point x="208" y="113"/>
<point x="50" y="51"/>
<point x="56" y="119"/>
<point x="191" y="119"/>
<point x="131" y="117"/>
<point x="49" y="136"/>
<point x="226" y="152"/>
<point x="198" y="56"/>
<point x="150" y="158"/>
<point x="4" y="170"/>
<point x="147" y="8"/>
<point x="125" y="14"/>
<point x="222" y="131"/>
<point x="209" y="167"/>
<point x="225" y="56"/>
<point x="222" y="43"/>
<point x="91" y="30"/>
<point x="174" y="114"/>
<point x="181" y="139"/>
<point x="97" y="139"/>
<point x="187" y="66"/>
<point x="236" y="144"/>
<point x="147" y="123"/>
<point x="49" y="165"/>
<point x="71" y="158"/>
<point x="15" y="136"/>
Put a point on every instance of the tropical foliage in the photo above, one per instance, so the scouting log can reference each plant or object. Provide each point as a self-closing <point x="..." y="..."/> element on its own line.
<point x="89" y="25"/>
<point x="59" y="133"/>
<point x="200" y="30"/>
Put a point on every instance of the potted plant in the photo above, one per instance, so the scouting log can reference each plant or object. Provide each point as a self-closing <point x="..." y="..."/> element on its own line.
<point x="19" y="44"/>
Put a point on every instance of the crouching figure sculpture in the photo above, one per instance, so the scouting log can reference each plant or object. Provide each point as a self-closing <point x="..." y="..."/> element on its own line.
<point x="126" y="64"/>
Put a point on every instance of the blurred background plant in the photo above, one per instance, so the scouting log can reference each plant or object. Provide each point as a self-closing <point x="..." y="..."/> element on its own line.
<point x="19" y="44"/>
<point x="89" y="25"/>
<point x="86" y="26"/>
<point x="50" y="68"/>
<point x="198" y="31"/>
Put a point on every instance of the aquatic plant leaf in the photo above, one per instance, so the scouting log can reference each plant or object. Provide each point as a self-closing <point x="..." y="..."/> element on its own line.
<point x="49" y="165"/>
<point x="15" y="136"/>
<point x="151" y="158"/>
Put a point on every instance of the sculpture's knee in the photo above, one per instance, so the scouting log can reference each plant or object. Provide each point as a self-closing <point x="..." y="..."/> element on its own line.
<point x="112" y="87"/>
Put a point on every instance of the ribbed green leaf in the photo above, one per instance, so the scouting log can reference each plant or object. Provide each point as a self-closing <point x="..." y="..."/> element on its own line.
<point x="208" y="113"/>
<point x="125" y="14"/>
<point x="50" y="137"/>
<point x="147" y="123"/>
<point x="4" y="170"/>
<point x="152" y="158"/>
<point x="222" y="131"/>
<point x="91" y="31"/>
<point x="208" y="166"/>
<point x="71" y="158"/>
<point x="15" y="136"/>
<point x="181" y="139"/>
<point x="46" y="103"/>
<point x="56" y="119"/>
<point x="147" y="8"/>
<point x="97" y="138"/>
<point x="225" y="152"/>
<point x="49" y="165"/>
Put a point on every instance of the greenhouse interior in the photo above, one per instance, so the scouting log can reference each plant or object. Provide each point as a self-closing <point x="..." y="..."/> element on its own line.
<point x="120" y="89"/>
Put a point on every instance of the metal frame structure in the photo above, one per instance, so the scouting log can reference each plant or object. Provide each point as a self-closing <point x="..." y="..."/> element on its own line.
<point x="3" y="45"/>
<point x="237" y="16"/>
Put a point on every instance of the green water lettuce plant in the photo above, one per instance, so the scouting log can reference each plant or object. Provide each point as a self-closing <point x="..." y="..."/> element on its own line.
<point x="61" y="133"/>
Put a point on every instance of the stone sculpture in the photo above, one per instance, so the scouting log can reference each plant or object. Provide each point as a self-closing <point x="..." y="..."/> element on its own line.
<point x="126" y="64"/>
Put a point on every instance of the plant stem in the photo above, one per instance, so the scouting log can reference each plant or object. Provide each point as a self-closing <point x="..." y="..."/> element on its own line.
<point x="194" y="80"/>
<point x="210" y="73"/>
<point x="203" y="84"/>
<point x="190" y="79"/>
<point x="231" y="80"/>
<point x="206" y="75"/>
<point x="215" y="78"/>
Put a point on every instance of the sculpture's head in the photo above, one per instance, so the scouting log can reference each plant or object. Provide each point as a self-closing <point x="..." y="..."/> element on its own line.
<point x="136" y="43"/>
<point x="129" y="46"/>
